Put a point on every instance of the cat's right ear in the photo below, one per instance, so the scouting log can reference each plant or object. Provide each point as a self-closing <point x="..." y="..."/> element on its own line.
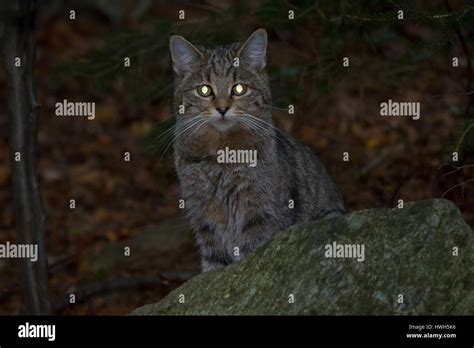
<point x="184" y="55"/>
<point x="254" y="50"/>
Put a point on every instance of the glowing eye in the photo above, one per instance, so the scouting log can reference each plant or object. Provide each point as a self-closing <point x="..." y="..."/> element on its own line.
<point x="239" y="89"/>
<point x="204" y="90"/>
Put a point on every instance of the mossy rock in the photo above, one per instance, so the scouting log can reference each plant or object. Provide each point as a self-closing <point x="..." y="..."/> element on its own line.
<point x="410" y="268"/>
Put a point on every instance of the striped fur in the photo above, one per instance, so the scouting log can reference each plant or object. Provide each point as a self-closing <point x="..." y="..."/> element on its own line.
<point x="234" y="208"/>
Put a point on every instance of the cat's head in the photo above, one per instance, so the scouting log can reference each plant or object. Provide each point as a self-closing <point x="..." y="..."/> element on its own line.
<point x="221" y="85"/>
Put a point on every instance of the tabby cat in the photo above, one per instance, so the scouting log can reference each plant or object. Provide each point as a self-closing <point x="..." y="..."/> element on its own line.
<point x="222" y="100"/>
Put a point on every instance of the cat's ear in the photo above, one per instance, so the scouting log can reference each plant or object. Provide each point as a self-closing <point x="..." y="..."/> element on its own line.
<point x="184" y="55"/>
<point x="254" y="50"/>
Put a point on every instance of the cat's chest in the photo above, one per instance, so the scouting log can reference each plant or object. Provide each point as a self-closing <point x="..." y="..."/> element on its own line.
<point x="223" y="195"/>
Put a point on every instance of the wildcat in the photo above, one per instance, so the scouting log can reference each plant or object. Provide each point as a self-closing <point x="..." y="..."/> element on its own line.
<point x="222" y="99"/>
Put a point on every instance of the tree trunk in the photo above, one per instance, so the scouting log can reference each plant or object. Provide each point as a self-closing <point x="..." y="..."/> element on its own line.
<point x="18" y="41"/>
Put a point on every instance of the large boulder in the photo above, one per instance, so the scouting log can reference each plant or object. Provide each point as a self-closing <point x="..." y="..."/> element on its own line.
<point x="417" y="260"/>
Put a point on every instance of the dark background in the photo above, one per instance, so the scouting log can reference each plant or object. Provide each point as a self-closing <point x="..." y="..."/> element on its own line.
<point x="336" y="110"/>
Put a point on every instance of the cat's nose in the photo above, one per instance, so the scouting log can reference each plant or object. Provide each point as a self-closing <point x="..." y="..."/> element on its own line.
<point x="222" y="110"/>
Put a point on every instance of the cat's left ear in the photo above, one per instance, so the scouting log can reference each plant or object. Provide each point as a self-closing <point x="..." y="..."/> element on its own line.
<point x="254" y="50"/>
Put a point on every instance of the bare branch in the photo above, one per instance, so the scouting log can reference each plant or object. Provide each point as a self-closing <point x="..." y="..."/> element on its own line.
<point x="467" y="53"/>
<point x="457" y="168"/>
<point x="463" y="184"/>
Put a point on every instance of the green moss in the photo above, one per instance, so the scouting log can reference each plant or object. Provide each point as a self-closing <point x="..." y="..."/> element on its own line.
<point x="407" y="251"/>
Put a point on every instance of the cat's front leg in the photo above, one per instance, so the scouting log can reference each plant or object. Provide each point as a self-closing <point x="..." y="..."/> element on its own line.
<point x="213" y="254"/>
<point x="256" y="233"/>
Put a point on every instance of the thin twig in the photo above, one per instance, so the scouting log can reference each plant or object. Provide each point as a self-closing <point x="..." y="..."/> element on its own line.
<point x="457" y="168"/>
<point x="445" y="95"/>
<point x="463" y="184"/>
<point x="380" y="159"/>
<point x="460" y="141"/>
<point x="467" y="53"/>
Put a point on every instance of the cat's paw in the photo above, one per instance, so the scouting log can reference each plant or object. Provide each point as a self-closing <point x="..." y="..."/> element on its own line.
<point x="207" y="266"/>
